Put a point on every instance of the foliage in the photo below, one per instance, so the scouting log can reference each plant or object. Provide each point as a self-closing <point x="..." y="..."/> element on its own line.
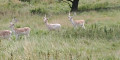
<point x="25" y="0"/>
<point x="50" y="8"/>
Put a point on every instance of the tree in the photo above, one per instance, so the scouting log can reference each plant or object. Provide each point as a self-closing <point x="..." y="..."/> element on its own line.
<point x="74" y="6"/>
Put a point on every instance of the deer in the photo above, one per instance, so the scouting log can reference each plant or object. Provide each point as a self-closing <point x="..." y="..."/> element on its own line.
<point x="6" y="34"/>
<point x="51" y="27"/>
<point x="19" y="31"/>
<point x="76" y="23"/>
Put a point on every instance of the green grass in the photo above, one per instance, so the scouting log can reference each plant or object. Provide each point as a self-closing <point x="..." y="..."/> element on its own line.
<point x="99" y="41"/>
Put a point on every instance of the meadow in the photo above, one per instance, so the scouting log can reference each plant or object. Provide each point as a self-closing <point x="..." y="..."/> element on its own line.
<point x="99" y="41"/>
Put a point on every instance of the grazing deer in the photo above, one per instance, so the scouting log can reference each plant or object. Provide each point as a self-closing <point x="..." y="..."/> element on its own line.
<point x="51" y="26"/>
<point x="6" y="34"/>
<point x="76" y="23"/>
<point x="19" y="31"/>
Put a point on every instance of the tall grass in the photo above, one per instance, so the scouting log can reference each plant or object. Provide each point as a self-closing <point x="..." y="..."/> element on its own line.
<point x="99" y="41"/>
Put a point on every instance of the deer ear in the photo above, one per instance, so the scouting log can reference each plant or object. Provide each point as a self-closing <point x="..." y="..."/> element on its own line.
<point x="44" y="19"/>
<point x="69" y="12"/>
<point x="68" y="16"/>
<point x="16" y="20"/>
<point x="75" y="14"/>
<point x="11" y="22"/>
<point x="45" y="15"/>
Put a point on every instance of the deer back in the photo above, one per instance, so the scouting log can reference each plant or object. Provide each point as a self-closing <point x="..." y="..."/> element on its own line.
<point x="5" y="33"/>
<point x="24" y="30"/>
<point x="79" y="21"/>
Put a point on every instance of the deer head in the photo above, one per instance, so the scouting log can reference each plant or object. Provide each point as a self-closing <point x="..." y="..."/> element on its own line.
<point x="12" y="23"/>
<point x="70" y="17"/>
<point x="45" y="19"/>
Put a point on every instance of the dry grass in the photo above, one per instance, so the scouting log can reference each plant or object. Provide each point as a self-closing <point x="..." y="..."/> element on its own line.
<point x="45" y="45"/>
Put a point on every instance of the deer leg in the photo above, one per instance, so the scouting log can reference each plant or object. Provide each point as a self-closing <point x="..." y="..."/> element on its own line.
<point x="75" y="26"/>
<point x="28" y="35"/>
<point x="9" y="38"/>
<point x="58" y="29"/>
<point x="25" y="36"/>
<point x="17" y="36"/>
<point x="83" y="26"/>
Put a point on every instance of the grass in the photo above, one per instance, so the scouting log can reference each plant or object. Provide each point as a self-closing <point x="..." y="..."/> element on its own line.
<point x="100" y="40"/>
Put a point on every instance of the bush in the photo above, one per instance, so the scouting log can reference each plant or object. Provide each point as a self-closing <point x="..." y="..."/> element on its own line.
<point x="38" y="11"/>
<point x="51" y="8"/>
<point x="25" y="0"/>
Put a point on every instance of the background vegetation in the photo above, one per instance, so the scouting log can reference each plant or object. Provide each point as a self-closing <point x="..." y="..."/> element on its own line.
<point x="99" y="41"/>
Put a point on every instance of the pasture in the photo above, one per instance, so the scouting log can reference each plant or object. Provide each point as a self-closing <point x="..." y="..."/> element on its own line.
<point x="99" y="41"/>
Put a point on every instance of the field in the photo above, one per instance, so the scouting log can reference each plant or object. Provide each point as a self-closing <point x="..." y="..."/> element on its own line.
<point x="99" y="41"/>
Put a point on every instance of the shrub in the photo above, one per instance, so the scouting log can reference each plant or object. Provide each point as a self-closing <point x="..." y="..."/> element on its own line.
<point x="50" y="8"/>
<point x="38" y="11"/>
<point x="25" y="0"/>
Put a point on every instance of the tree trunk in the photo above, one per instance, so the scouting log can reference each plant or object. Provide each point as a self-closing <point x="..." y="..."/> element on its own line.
<point x="74" y="5"/>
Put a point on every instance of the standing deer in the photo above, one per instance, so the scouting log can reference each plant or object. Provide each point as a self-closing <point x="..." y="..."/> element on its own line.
<point x="6" y="34"/>
<point x="76" y="23"/>
<point x="19" y="31"/>
<point x="51" y="26"/>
